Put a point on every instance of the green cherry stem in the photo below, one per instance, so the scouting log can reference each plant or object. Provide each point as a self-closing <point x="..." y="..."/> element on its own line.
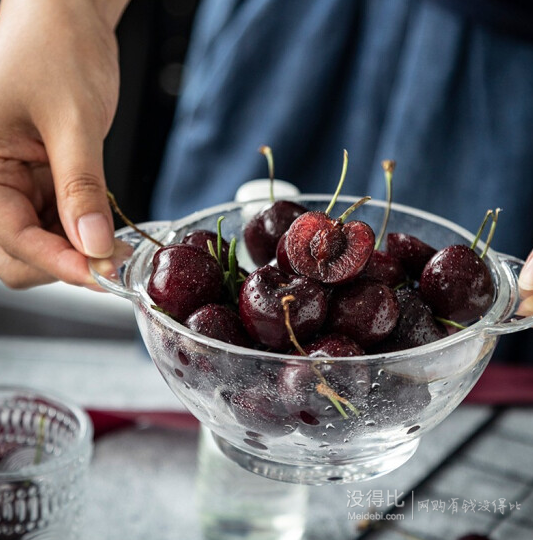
<point x="323" y="388"/>
<point x="388" y="167"/>
<point x="161" y="310"/>
<point x="40" y="442"/>
<point x="480" y="230"/>
<point x="492" y="230"/>
<point x="212" y="251"/>
<point x="127" y="221"/>
<point x="447" y="322"/>
<point x="342" y="218"/>
<point x="219" y="239"/>
<point x="267" y="152"/>
<point x="341" y="182"/>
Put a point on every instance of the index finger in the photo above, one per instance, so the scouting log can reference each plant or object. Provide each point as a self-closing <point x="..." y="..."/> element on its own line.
<point x="22" y="237"/>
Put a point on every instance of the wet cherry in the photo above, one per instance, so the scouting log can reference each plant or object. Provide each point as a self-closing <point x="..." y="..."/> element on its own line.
<point x="457" y="284"/>
<point x="219" y="322"/>
<point x="366" y="310"/>
<point x="184" y="278"/>
<point x="262" y="313"/>
<point x="411" y="252"/>
<point x="263" y="231"/>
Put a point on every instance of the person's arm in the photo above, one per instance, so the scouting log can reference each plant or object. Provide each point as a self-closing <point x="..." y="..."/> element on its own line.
<point x="59" y="80"/>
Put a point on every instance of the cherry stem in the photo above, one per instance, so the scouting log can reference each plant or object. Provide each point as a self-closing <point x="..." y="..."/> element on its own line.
<point x="232" y="259"/>
<point x="341" y="182"/>
<point x="127" y="221"/>
<point x="285" y="301"/>
<point x="161" y="310"/>
<point x="219" y="239"/>
<point x="40" y="442"/>
<point x="323" y="388"/>
<point x="480" y="230"/>
<point x="212" y="251"/>
<point x="388" y="167"/>
<point x="231" y="276"/>
<point x="267" y="152"/>
<point x="447" y="322"/>
<point x="342" y="218"/>
<point x="492" y="230"/>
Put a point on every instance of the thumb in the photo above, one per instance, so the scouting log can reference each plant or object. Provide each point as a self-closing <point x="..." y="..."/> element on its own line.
<point x="76" y="161"/>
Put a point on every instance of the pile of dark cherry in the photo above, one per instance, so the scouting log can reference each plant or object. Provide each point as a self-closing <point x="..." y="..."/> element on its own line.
<point x="348" y="299"/>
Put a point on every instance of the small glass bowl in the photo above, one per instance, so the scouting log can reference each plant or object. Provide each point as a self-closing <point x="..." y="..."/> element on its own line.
<point x="45" y="451"/>
<point x="405" y="393"/>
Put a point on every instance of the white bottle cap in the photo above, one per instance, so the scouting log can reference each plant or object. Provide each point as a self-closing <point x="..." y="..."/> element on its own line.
<point x="260" y="189"/>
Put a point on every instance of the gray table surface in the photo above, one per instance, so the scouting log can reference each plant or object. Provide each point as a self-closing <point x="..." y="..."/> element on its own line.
<point x="474" y="472"/>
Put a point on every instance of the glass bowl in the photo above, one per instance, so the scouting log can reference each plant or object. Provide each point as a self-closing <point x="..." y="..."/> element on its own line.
<point x="45" y="451"/>
<point x="400" y="395"/>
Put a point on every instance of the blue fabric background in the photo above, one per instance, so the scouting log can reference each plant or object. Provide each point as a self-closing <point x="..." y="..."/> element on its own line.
<point x="451" y="101"/>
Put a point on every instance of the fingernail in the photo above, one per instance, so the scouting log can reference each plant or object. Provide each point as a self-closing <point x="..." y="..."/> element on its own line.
<point x="95" y="235"/>
<point x="525" y="281"/>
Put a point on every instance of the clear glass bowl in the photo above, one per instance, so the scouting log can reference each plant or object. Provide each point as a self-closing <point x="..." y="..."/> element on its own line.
<point x="407" y="393"/>
<point x="45" y="451"/>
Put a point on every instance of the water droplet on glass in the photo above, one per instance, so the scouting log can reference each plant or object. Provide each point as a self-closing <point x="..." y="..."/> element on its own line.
<point x="375" y="385"/>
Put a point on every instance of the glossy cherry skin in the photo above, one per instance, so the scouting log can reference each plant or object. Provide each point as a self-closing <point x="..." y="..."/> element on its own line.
<point x="457" y="284"/>
<point x="396" y="399"/>
<point x="258" y="410"/>
<point x="299" y="383"/>
<point x="261" y="309"/>
<point x="327" y="250"/>
<point x="200" y="237"/>
<point x="263" y="231"/>
<point x="411" y="251"/>
<point x="416" y="325"/>
<point x="386" y="268"/>
<point x="219" y="322"/>
<point x="365" y="310"/>
<point x="184" y="278"/>
<point x="282" y="260"/>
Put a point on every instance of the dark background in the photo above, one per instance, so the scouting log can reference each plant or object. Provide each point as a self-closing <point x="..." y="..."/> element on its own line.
<point x="153" y="36"/>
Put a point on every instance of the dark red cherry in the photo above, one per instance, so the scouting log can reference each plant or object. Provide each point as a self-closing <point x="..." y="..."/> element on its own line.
<point x="298" y="389"/>
<point x="299" y="386"/>
<point x="396" y="399"/>
<point x="416" y="325"/>
<point x="218" y="322"/>
<point x="365" y="310"/>
<point x="262" y="313"/>
<point x="412" y="252"/>
<point x="328" y="250"/>
<point x="200" y="238"/>
<point x="333" y="345"/>
<point x="184" y="278"/>
<point x="386" y="268"/>
<point x="258" y="410"/>
<point x="282" y="259"/>
<point x="262" y="233"/>
<point x="457" y="284"/>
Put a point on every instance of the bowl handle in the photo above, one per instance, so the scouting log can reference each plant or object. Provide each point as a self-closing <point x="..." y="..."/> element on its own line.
<point x="109" y="273"/>
<point x="512" y="322"/>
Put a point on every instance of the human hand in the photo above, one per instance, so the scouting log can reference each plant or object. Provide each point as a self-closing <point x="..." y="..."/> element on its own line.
<point x="525" y="283"/>
<point x="59" y="82"/>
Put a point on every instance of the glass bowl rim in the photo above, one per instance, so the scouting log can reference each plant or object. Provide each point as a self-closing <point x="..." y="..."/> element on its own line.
<point x="497" y="310"/>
